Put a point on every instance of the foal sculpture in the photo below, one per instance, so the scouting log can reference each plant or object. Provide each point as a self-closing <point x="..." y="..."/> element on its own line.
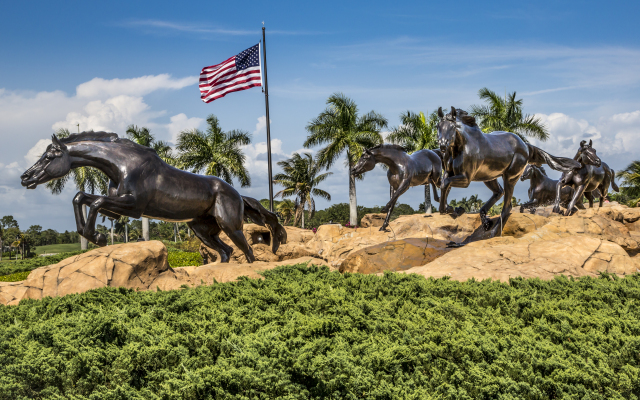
<point x="141" y="184"/>
<point x="471" y="155"/>
<point x="542" y="191"/>
<point x="591" y="175"/>
<point x="423" y="167"/>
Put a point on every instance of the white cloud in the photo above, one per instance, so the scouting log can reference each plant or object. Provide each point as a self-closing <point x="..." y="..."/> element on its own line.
<point x="98" y="87"/>
<point x="181" y="122"/>
<point x="261" y="125"/>
<point x="36" y="151"/>
<point x="111" y="115"/>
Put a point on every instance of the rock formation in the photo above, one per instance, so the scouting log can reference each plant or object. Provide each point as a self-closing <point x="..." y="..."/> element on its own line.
<point x="594" y="240"/>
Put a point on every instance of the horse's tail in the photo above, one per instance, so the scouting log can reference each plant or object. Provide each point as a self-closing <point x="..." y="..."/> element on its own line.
<point x="261" y="216"/>
<point x="538" y="157"/>
<point x="613" y="180"/>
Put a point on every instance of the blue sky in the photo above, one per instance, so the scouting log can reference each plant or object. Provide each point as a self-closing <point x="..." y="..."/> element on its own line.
<point x="112" y="64"/>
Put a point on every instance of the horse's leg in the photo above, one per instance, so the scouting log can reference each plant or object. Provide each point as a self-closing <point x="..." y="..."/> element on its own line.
<point x="589" y="197"/>
<point x="404" y="186"/>
<point x="99" y="202"/>
<point x="229" y="213"/>
<point x="207" y="230"/>
<point x="566" y="178"/>
<point x="497" y="190"/>
<point x="509" y="186"/>
<point x="577" y="195"/>
<point x="444" y="192"/>
<point x="435" y="192"/>
<point x="77" y="210"/>
<point x="529" y="204"/>
<point x="461" y="181"/>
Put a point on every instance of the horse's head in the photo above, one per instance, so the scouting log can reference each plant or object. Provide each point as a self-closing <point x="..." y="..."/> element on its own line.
<point x="54" y="163"/>
<point x="366" y="163"/>
<point x="447" y="130"/>
<point x="587" y="154"/>
<point x="528" y="171"/>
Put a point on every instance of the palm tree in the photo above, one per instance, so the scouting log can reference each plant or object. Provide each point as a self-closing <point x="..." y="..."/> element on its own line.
<point x="86" y="179"/>
<point x="215" y="152"/>
<point x="631" y="182"/>
<point x="506" y="115"/>
<point x="340" y="127"/>
<point x="417" y="132"/>
<point x="287" y="210"/>
<point x="1" y="241"/>
<point x="300" y="176"/>
<point x="144" y="137"/>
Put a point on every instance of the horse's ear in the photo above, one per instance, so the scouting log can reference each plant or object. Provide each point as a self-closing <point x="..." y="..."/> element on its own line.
<point x="440" y="113"/>
<point x="453" y="112"/>
<point x="57" y="142"/>
<point x="590" y="143"/>
<point x="582" y="143"/>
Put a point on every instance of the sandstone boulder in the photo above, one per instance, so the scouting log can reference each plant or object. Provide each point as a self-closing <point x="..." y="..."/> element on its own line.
<point x="372" y="220"/>
<point x="507" y="257"/>
<point x="397" y="255"/>
<point x="131" y="265"/>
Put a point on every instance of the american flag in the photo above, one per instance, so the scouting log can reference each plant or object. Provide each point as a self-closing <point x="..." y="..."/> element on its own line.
<point x="239" y="72"/>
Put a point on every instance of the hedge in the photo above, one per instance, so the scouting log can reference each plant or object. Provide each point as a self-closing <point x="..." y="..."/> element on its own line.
<point x="306" y="333"/>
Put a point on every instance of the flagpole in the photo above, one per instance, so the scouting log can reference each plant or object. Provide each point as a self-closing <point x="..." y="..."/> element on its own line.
<point x="266" y="102"/>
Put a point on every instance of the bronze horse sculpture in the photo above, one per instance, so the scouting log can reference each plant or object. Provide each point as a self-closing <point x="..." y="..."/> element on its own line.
<point x="141" y="184"/>
<point x="542" y="191"/>
<point x="591" y="175"/>
<point x="469" y="154"/>
<point x="423" y="167"/>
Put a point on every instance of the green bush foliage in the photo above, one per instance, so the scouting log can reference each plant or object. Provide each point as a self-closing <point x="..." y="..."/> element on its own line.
<point x="310" y="333"/>
<point x="18" y="276"/>
<point x="178" y="258"/>
<point x="12" y="267"/>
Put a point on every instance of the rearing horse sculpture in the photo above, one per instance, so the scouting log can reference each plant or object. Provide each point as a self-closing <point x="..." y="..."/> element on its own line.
<point x="472" y="155"/>
<point x="141" y="184"/>
<point x="591" y="175"/>
<point x="423" y="167"/>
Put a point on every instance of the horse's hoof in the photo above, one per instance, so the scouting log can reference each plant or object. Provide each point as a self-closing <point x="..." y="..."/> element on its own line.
<point x="556" y="210"/>
<point x="100" y="239"/>
<point x="532" y="211"/>
<point x="383" y="228"/>
<point x="459" y="211"/>
<point x="521" y="209"/>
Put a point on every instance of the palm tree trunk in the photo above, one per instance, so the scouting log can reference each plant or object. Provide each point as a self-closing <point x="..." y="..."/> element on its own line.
<point x="126" y="232"/>
<point x="175" y="232"/>
<point x="302" y="217"/>
<point x="1" y="248"/>
<point x="112" y="232"/>
<point x="145" y="228"/>
<point x="353" y="202"/>
<point x="84" y="242"/>
<point x="427" y="199"/>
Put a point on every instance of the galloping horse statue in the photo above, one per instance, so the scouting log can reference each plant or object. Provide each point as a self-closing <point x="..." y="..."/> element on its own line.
<point x="591" y="175"/>
<point x="423" y="167"/>
<point x="141" y="184"/>
<point x="542" y="191"/>
<point x="471" y="155"/>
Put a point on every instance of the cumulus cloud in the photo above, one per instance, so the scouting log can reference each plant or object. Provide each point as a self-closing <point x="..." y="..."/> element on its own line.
<point x="614" y="137"/>
<point x="261" y="125"/>
<point x="180" y="123"/>
<point x="98" y="87"/>
<point x="36" y="151"/>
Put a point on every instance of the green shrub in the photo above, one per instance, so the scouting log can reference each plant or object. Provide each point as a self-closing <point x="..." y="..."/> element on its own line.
<point x="309" y="333"/>
<point x="178" y="258"/>
<point x="18" y="276"/>
<point x="12" y="267"/>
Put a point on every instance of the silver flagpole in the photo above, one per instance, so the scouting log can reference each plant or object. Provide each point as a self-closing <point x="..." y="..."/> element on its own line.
<point x="266" y="102"/>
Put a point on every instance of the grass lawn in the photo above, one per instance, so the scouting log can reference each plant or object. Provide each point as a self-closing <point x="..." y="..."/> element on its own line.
<point x="57" y="248"/>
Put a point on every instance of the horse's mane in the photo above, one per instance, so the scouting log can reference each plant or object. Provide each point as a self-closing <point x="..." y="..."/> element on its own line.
<point x="91" y="136"/>
<point x="389" y="146"/>
<point x="541" y="169"/>
<point x="463" y="117"/>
